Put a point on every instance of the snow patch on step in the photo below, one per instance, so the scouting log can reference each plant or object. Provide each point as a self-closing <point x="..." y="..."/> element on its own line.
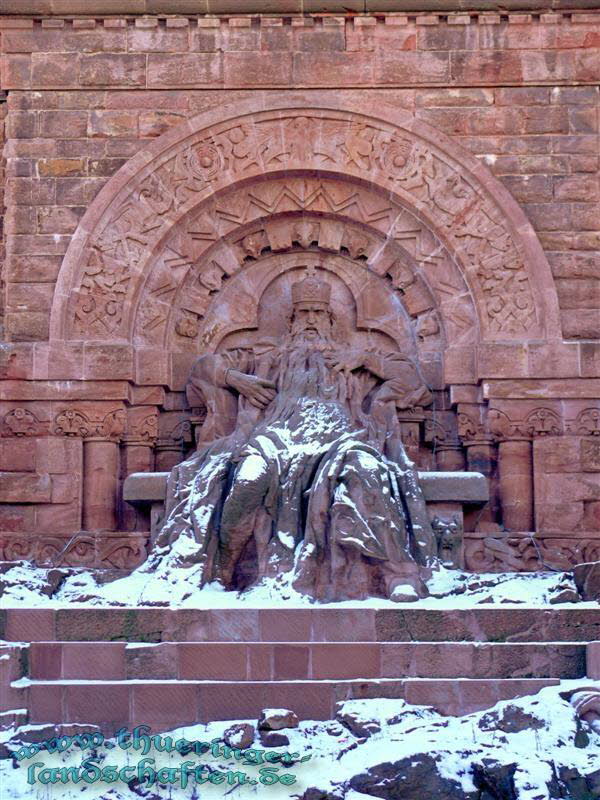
<point x="25" y="586"/>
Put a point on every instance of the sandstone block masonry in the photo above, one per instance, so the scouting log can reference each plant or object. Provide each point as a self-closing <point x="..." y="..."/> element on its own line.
<point x="83" y="94"/>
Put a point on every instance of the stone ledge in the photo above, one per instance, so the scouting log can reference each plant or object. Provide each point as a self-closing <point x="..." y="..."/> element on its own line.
<point x="49" y="8"/>
<point x="259" y="661"/>
<point x="456" y="487"/>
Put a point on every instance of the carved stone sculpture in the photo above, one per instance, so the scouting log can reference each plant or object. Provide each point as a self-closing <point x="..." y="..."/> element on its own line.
<point x="300" y="468"/>
<point x="449" y="538"/>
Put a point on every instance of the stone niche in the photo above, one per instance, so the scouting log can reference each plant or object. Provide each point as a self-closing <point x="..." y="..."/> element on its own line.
<point x="185" y="251"/>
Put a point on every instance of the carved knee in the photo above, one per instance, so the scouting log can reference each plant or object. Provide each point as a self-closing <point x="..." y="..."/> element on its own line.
<point x="248" y="488"/>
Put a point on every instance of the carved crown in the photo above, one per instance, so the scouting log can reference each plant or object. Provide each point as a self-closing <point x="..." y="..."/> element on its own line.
<point x="311" y="290"/>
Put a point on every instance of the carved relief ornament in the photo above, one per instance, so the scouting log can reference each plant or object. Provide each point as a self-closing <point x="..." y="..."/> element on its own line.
<point x="73" y="422"/>
<point x="478" y="223"/>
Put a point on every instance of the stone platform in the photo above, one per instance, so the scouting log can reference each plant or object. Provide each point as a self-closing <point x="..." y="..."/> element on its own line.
<point x="171" y="667"/>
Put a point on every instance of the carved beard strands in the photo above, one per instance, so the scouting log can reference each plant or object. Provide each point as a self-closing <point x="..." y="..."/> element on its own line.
<point x="304" y="372"/>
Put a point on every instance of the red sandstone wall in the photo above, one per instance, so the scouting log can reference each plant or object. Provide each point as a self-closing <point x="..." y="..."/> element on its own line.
<point x="519" y="91"/>
<point x="2" y="182"/>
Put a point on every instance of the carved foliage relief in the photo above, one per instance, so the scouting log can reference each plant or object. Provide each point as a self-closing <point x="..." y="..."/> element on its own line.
<point x="448" y="208"/>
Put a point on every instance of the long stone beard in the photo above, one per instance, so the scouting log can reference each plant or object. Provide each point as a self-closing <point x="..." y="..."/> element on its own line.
<point x="298" y="338"/>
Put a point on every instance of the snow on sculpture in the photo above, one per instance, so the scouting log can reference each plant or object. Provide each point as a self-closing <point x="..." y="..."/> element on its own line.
<point x="305" y="473"/>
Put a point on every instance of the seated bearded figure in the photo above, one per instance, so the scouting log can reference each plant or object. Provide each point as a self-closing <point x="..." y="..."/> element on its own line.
<point x="300" y="468"/>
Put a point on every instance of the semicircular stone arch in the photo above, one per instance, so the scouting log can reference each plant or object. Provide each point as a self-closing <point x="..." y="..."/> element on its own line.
<point x="225" y="187"/>
<point x="293" y="211"/>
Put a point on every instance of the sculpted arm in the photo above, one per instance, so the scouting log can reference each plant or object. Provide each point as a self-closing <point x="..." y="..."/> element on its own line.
<point x="229" y="370"/>
<point x="402" y="382"/>
<point x="210" y="370"/>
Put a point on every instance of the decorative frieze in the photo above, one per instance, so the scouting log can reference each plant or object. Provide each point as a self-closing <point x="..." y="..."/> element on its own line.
<point x="73" y="422"/>
<point x="514" y="552"/>
<point x="514" y="420"/>
<point x="100" y="550"/>
<point x="21" y="422"/>
<point x="528" y="552"/>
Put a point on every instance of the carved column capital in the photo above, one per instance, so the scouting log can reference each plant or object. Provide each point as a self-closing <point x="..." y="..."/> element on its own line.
<point x="472" y="427"/>
<point x="22" y="422"/>
<point x="441" y="429"/>
<point x="75" y="422"/>
<point x="504" y="429"/>
<point x="141" y="426"/>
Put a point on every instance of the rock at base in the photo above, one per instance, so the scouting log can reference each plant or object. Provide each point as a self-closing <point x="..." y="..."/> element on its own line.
<point x="275" y="719"/>
<point x="587" y="580"/>
<point x="412" y="778"/>
<point x="240" y="735"/>
<point x="273" y="739"/>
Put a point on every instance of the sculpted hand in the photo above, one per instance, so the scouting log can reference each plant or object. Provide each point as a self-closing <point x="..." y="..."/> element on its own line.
<point x="258" y="391"/>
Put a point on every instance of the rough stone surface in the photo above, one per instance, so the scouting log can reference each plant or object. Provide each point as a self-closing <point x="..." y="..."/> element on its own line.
<point x="240" y="736"/>
<point x="273" y="739"/>
<point x="512" y="720"/>
<point x="587" y="579"/>
<point x="276" y="719"/>
<point x="497" y="780"/>
<point x="569" y="783"/>
<point x="356" y="723"/>
<point x="409" y="779"/>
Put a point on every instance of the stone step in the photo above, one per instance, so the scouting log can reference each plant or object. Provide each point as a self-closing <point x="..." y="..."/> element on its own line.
<point x="264" y="661"/>
<point x="348" y="624"/>
<point x="12" y="667"/>
<point x="169" y="704"/>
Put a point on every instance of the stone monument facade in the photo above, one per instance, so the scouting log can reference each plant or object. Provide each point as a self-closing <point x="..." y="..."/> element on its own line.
<point x="304" y="297"/>
<point x="167" y="179"/>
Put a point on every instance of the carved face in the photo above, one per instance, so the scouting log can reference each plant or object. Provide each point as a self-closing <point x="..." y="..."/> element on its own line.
<point x="448" y="534"/>
<point x="312" y="321"/>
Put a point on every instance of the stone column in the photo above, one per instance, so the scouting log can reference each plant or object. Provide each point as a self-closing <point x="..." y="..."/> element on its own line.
<point x="100" y="481"/>
<point x="450" y="458"/>
<point x="481" y="457"/>
<point x="137" y="455"/>
<point x="168" y="454"/>
<point x="101" y="429"/>
<point x="515" y="464"/>
<point x="410" y="432"/>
